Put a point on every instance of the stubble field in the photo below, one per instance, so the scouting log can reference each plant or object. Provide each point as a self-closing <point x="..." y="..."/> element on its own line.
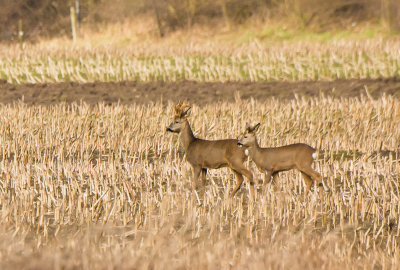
<point x="103" y="186"/>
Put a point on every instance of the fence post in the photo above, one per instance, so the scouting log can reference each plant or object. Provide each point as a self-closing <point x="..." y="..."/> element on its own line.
<point x="158" y="19"/>
<point x="73" y="23"/>
<point x="20" y="33"/>
<point x="78" y="16"/>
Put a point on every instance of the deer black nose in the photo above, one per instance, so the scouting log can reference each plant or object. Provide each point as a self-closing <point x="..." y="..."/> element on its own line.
<point x="169" y="129"/>
<point x="239" y="144"/>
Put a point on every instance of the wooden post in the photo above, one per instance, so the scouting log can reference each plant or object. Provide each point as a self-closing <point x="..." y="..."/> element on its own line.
<point x="225" y="14"/>
<point x="385" y="15"/>
<point x="73" y="23"/>
<point x="20" y="33"/>
<point x="78" y="16"/>
<point x="158" y="19"/>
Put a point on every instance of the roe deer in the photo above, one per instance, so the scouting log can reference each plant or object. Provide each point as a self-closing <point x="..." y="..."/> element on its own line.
<point x="277" y="159"/>
<point x="205" y="154"/>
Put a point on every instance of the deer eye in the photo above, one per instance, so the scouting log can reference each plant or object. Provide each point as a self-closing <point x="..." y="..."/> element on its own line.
<point x="176" y="122"/>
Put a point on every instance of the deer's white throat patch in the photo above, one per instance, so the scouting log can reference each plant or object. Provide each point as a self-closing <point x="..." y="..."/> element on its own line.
<point x="246" y="152"/>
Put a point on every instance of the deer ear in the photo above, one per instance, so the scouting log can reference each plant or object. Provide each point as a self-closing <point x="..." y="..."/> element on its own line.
<point x="248" y="127"/>
<point x="255" y="128"/>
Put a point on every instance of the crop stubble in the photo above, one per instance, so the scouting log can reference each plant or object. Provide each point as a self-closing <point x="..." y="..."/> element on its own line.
<point x="104" y="186"/>
<point x="297" y="61"/>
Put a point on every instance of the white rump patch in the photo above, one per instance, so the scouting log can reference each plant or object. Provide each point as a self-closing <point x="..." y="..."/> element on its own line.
<point x="314" y="155"/>
<point x="246" y="152"/>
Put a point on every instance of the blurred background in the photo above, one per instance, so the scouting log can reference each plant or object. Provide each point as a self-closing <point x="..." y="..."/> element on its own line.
<point x="51" y="18"/>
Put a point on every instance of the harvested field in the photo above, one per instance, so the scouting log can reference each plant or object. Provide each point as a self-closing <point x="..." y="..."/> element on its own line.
<point x="103" y="187"/>
<point x="89" y="179"/>
<point x="194" y="92"/>
<point x="211" y="62"/>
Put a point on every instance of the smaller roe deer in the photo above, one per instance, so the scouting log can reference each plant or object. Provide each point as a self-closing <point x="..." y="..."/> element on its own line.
<point x="205" y="154"/>
<point x="274" y="160"/>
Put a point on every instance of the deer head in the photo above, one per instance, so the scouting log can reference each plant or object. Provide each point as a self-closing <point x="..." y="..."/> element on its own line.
<point x="181" y="114"/>
<point x="249" y="136"/>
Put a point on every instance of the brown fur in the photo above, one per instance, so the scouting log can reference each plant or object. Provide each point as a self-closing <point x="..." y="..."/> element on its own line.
<point x="274" y="160"/>
<point x="206" y="154"/>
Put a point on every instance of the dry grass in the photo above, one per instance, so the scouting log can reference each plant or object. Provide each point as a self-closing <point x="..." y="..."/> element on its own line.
<point x="105" y="187"/>
<point x="86" y="62"/>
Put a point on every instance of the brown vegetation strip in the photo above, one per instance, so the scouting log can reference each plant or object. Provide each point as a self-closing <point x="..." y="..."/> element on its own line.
<point x="129" y="92"/>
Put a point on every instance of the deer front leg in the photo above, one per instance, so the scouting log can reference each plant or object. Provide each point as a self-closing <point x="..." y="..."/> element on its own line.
<point x="196" y="174"/>
<point x="203" y="177"/>
<point x="267" y="179"/>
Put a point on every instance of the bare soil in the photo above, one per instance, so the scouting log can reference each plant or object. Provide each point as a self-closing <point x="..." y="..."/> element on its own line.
<point x="128" y="92"/>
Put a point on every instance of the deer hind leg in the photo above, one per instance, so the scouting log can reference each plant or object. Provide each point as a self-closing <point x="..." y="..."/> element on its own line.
<point x="241" y="170"/>
<point x="268" y="177"/>
<point x="308" y="181"/>
<point x="316" y="177"/>
<point x="240" y="179"/>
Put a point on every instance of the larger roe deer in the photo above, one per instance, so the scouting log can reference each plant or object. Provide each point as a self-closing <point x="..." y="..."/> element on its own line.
<point x="273" y="160"/>
<point x="205" y="154"/>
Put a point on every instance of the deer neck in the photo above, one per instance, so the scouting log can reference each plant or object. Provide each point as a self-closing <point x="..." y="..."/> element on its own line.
<point x="253" y="149"/>
<point x="187" y="136"/>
